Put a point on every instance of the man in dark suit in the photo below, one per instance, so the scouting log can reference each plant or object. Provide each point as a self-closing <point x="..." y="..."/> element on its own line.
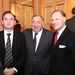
<point x="37" y="59"/>
<point x="63" y="51"/>
<point x="17" y="41"/>
<point x="71" y="21"/>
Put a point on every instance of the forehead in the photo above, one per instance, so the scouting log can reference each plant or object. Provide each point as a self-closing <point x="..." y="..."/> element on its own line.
<point x="37" y="18"/>
<point x="57" y="14"/>
<point x="7" y="15"/>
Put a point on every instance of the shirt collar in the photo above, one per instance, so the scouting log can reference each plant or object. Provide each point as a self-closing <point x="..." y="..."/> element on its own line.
<point x="62" y="29"/>
<point x="6" y="32"/>
<point x="38" y="32"/>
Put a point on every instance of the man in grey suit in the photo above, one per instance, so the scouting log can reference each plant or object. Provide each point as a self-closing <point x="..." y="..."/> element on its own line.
<point x="37" y="59"/>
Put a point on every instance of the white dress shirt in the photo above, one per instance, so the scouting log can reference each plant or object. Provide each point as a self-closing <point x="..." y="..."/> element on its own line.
<point x="60" y="31"/>
<point x="6" y="37"/>
<point x="38" y="36"/>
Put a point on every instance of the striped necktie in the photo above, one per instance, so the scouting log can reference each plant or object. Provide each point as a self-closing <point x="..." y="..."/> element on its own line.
<point x="8" y="55"/>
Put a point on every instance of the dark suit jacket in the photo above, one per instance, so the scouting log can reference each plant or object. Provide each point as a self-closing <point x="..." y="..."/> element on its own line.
<point x="18" y="50"/>
<point x="38" y="62"/>
<point x="71" y="23"/>
<point x="63" y="55"/>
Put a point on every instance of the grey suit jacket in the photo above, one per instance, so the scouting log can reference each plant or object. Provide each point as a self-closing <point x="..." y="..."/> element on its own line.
<point x="40" y="58"/>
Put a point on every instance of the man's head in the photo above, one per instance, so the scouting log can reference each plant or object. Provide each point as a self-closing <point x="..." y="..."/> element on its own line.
<point x="37" y="23"/>
<point x="8" y="20"/>
<point x="58" y="19"/>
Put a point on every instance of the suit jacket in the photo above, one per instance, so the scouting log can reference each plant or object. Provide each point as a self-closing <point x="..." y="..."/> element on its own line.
<point x="18" y="50"/>
<point x="71" y="23"/>
<point x="38" y="62"/>
<point x="63" y="55"/>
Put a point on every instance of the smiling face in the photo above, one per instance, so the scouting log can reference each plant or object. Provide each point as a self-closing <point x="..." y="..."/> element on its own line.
<point x="8" y="21"/>
<point x="37" y="23"/>
<point x="58" y="20"/>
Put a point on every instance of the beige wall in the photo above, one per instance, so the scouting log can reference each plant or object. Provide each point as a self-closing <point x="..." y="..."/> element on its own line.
<point x="43" y="7"/>
<point x="4" y="5"/>
<point x="23" y="14"/>
<point x="50" y="5"/>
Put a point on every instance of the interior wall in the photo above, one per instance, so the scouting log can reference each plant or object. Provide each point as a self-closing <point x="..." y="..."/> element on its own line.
<point x="43" y="7"/>
<point x="23" y="14"/>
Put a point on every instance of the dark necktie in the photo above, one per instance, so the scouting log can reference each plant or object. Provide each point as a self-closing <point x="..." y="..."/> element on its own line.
<point x="8" y="56"/>
<point x="55" y="38"/>
<point x="34" y="41"/>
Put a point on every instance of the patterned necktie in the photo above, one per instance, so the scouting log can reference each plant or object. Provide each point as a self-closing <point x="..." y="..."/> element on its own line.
<point x="34" y="42"/>
<point x="56" y="38"/>
<point x="8" y="56"/>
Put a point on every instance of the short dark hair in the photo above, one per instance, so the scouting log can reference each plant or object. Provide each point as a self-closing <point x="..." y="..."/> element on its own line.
<point x="73" y="10"/>
<point x="17" y="27"/>
<point x="62" y="12"/>
<point x="6" y="12"/>
<point x="39" y="16"/>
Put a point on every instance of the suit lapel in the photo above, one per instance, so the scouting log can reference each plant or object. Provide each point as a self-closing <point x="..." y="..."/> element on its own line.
<point x="3" y="42"/>
<point x="2" y="45"/>
<point x="60" y="40"/>
<point x="31" y="41"/>
<point x="14" y="41"/>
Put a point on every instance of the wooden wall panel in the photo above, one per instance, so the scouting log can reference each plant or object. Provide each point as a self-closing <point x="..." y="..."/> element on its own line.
<point x="6" y="5"/>
<point x="20" y="14"/>
<point x="1" y="8"/>
<point x="51" y="5"/>
<point x="48" y="11"/>
<point x="60" y="5"/>
<point x="45" y="8"/>
<point x="23" y="14"/>
<point x="28" y="13"/>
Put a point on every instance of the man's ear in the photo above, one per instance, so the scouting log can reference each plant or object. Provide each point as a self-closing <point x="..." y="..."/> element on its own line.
<point x="65" y="19"/>
<point x="2" y="22"/>
<point x="14" y="23"/>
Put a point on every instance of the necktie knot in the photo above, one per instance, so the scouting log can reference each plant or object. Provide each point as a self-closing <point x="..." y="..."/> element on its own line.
<point x="36" y="34"/>
<point x="8" y="34"/>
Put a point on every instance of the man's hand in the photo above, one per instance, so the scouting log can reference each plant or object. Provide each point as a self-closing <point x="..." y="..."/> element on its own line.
<point x="9" y="71"/>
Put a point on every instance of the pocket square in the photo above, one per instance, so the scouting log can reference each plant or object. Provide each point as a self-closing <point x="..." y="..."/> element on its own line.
<point x="62" y="46"/>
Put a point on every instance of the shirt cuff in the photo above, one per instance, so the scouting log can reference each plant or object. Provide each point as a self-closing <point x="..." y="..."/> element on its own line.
<point x="5" y="69"/>
<point x="15" y="69"/>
